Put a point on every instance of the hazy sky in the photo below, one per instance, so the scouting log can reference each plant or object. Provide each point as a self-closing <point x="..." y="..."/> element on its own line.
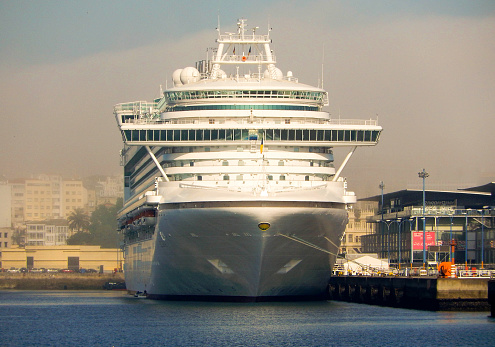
<point x="426" y="68"/>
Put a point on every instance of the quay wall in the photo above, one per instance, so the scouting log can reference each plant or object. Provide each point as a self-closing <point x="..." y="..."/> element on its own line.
<point x="57" y="281"/>
<point x="425" y="293"/>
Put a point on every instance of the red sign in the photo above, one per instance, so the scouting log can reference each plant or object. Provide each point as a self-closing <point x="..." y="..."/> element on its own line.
<point x="418" y="240"/>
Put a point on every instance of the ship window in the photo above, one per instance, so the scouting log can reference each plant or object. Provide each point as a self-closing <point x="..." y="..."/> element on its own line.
<point x="282" y="177"/>
<point x="211" y="121"/>
<point x="191" y="163"/>
<point x="237" y="134"/>
<point x="353" y="135"/>
<point x="276" y="134"/>
<point x="268" y="134"/>
<point x="306" y="178"/>
<point x="200" y="178"/>
<point x="238" y="177"/>
<point x="170" y="135"/>
<point x="206" y="134"/>
<point x="226" y="177"/>
<point x="127" y="135"/>
<point x="192" y="135"/>
<point x="360" y="135"/>
<point x="284" y="135"/>
<point x="184" y="135"/>
<point x="340" y="135"/>
<point x="347" y="135"/>
<point x="229" y="134"/>
<point x="367" y="136"/>
<point x="299" y="135"/>
<point x="221" y="134"/>
<point x="319" y="135"/>
<point x="198" y="133"/>
<point x="142" y="135"/>
<point x="287" y="121"/>
<point x="270" y="177"/>
<point x="281" y="163"/>
<point x="241" y="163"/>
<point x="207" y="149"/>
<point x="296" y="149"/>
<point x="214" y="134"/>
<point x="292" y="135"/>
<point x="305" y="135"/>
<point x="176" y="135"/>
<point x="150" y="135"/>
<point x="225" y="163"/>
<point x="374" y="135"/>
<point x="312" y="135"/>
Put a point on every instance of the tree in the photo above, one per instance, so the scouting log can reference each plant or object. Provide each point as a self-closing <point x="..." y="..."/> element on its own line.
<point x="102" y="228"/>
<point x="81" y="238"/>
<point x="104" y="225"/>
<point x="19" y="237"/>
<point x="78" y="220"/>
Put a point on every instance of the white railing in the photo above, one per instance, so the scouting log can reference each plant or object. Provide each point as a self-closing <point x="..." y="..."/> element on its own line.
<point x="476" y="273"/>
<point x="257" y="120"/>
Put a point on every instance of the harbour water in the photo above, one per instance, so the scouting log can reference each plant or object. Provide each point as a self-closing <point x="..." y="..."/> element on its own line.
<point x="112" y="318"/>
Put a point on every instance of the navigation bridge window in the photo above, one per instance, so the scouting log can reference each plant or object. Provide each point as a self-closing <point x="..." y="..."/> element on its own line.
<point x="242" y="107"/>
<point x="216" y="94"/>
<point x="247" y="134"/>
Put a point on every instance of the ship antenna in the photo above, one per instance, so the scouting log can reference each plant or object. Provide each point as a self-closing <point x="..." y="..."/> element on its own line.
<point x="218" y="20"/>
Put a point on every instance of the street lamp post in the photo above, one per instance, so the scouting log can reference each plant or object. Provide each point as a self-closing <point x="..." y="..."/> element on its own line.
<point x="451" y="250"/>
<point x="482" y="236"/>
<point x="423" y="174"/>
<point x="387" y="222"/>
<point x="381" y="186"/>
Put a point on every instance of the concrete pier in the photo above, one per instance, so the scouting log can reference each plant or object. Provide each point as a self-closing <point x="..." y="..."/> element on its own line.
<point x="425" y="293"/>
<point x="57" y="281"/>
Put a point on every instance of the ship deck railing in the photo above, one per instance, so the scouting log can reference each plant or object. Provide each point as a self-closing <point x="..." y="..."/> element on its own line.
<point x="243" y="121"/>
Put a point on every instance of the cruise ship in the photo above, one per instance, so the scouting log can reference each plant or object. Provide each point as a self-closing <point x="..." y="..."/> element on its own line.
<point x="231" y="189"/>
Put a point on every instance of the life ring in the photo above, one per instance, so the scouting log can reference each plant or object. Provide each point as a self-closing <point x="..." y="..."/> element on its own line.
<point x="244" y="58"/>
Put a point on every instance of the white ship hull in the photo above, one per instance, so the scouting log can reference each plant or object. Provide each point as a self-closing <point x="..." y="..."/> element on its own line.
<point x="221" y="252"/>
<point x="230" y="185"/>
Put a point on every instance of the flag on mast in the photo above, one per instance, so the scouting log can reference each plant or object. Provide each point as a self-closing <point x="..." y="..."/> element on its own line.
<point x="249" y="51"/>
<point x="261" y="146"/>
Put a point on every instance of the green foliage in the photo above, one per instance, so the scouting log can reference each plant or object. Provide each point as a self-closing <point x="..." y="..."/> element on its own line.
<point x="81" y="238"/>
<point x="102" y="228"/>
<point x="78" y="220"/>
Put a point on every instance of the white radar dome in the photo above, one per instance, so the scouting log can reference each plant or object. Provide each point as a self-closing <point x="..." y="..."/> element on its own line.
<point x="278" y="74"/>
<point x="176" y="77"/>
<point x="189" y="75"/>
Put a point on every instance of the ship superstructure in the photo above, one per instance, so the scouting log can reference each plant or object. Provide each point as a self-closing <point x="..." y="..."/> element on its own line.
<point x="230" y="185"/>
